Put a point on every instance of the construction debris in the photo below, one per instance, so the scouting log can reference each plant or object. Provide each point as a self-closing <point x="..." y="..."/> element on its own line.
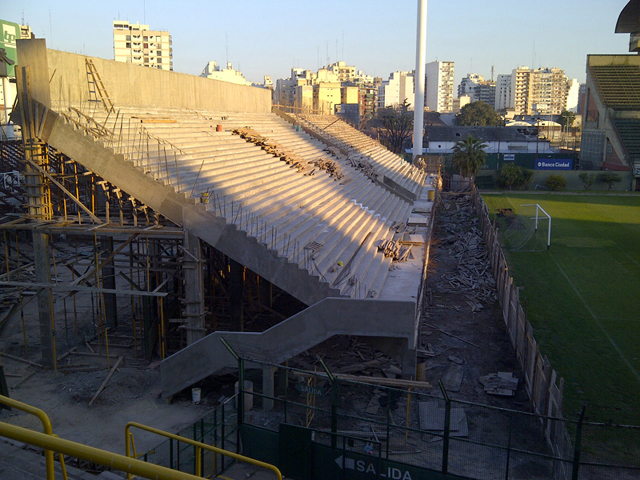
<point x="361" y="163"/>
<point x="330" y="166"/>
<point x="274" y="148"/>
<point x="501" y="383"/>
<point x="464" y="242"/>
<point x="394" y="249"/>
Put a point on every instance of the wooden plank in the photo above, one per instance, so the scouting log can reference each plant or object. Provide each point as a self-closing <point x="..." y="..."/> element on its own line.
<point x="18" y="359"/>
<point x="106" y="380"/>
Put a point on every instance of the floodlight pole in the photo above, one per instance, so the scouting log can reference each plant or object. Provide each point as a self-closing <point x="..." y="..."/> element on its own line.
<point x="418" y="79"/>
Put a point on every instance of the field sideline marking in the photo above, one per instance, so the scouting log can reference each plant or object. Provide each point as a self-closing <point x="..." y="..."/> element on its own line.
<point x="595" y="319"/>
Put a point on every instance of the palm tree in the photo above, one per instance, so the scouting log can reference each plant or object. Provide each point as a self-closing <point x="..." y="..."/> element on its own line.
<point x="469" y="156"/>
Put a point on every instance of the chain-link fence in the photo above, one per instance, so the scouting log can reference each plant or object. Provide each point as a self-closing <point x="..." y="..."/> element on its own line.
<point x="406" y="425"/>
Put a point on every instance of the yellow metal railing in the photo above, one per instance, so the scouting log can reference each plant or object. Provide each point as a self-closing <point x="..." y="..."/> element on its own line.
<point x="92" y="454"/>
<point x="199" y="447"/>
<point x="46" y="425"/>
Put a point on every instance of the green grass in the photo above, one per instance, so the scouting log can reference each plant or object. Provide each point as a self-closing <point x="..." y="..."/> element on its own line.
<point x="583" y="298"/>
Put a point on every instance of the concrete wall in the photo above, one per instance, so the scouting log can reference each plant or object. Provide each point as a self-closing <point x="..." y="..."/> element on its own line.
<point x="573" y="181"/>
<point x="132" y="85"/>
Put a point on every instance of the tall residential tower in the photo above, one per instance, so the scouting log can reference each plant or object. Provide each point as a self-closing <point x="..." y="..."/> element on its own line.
<point x="439" y="93"/>
<point x="135" y="43"/>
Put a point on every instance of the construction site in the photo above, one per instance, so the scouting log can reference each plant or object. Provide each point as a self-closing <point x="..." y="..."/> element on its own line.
<point x="246" y="284"/>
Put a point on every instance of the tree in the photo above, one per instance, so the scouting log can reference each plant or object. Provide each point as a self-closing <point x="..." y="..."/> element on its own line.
<point x="477" y="114"/>
<point x="394" y="126"/>
<point x="469" y="156"/>
<point x="587" y="179"/>
<point x="511" y="175"/>
<point x="566" y="119"/>
<point x="609" y="178"/>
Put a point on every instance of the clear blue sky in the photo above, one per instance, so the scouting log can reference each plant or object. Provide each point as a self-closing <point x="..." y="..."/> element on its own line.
<point x="269" y="37"/>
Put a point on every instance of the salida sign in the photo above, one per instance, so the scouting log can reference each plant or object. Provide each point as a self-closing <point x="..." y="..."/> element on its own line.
<point x="368" y="467"/>
<point x="554" y="164"/>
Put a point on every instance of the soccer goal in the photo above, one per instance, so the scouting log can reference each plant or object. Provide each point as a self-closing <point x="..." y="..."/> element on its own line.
<point x="529" y="230"/>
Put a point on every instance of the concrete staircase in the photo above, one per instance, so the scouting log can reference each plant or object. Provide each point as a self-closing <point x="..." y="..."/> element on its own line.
<point x="293" y="336"/>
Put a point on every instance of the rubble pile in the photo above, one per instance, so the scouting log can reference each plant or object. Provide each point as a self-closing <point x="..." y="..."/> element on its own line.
<point x="461" y="236"/>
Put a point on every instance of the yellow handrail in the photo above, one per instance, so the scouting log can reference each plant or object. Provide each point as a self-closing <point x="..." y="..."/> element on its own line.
<point x="92" y="454"/>
<point x="46" y="425"/>
<point x="199" y="446"/>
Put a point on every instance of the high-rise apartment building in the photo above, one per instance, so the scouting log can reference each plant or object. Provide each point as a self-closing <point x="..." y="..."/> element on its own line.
<point x="503" y="93"/>
<point x="539" y="92"/>
<point x="135" y="43"/>
<point x="396" y="90"/>
<point x="478" y="89"/>
<point x="439" y="92"/>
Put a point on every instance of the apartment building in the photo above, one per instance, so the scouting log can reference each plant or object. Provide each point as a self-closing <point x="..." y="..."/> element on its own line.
<point x="502" y="98"/>
<point x="215" y="72"/>
<point x="439" y="91"/>
<point x="135" y="43"/>
<point x="539" y="92"/>
<point x="395" y="90"/>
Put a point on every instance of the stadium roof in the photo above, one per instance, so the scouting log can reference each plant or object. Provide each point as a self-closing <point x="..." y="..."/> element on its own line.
<point x="629" y="19"/>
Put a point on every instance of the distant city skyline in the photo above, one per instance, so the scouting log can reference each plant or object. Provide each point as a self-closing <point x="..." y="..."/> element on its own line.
<point x="377" y="36"/>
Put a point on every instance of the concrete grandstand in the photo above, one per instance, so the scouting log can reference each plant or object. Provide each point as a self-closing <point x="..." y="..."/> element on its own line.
<point x="170" y="142"/>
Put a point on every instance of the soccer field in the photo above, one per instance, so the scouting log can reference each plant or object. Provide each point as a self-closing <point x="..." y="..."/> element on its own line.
<point x="583" y="297"/>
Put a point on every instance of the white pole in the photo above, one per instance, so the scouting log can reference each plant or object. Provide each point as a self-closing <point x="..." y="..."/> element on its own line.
<point x="418" y="79"/>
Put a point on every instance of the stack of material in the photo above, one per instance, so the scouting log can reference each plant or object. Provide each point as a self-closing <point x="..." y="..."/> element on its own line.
<point x="330" y="166"/>
<point x="361" y="163"/>
<point x="394" y="249"/>
<point x="432" y="419"/>
<point x="501" y="383"/>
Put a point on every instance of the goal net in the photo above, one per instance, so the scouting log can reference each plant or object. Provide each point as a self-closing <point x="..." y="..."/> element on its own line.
<point x="528" y="230"/>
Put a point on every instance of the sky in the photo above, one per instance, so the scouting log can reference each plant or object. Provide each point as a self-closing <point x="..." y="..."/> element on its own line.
<point x="269" y="37"/>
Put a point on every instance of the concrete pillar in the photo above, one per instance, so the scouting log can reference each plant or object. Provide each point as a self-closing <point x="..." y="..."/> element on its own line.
<point x="109" y="281"/>
<point x="236" y="285"/>
<point x="194" y="288"/>
<point x="266" y="292"/>
<point x="283" y="376"/>
<point x="268" y="386"/>
<point x="409" y="361"/>
<point x="45" y="302"/>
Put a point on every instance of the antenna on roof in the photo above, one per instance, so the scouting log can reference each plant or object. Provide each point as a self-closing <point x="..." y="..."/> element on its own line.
<point x="327" y="53"/>
<point x="226" y="43"/>
<point x="492" y="73"/>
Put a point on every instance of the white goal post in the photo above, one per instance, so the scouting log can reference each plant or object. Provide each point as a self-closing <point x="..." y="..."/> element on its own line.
<point x="537" y="219"/>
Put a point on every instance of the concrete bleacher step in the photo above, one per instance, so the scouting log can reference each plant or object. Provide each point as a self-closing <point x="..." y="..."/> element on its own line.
<point x="231" y="171"/>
